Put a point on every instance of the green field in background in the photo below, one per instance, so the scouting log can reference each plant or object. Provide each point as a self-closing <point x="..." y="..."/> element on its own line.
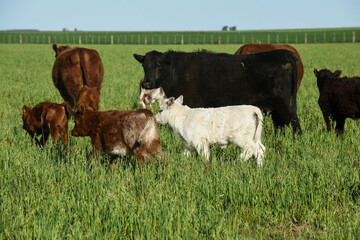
<point x="336" y="35"/>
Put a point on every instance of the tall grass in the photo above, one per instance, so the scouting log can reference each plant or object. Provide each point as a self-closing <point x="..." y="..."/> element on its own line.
<point x="309" y="186"/>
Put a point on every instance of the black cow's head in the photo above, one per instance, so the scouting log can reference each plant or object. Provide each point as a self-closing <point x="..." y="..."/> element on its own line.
<point x="155" y="66"/>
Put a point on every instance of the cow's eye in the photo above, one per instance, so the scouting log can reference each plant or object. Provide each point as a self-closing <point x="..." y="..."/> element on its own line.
<point x="160" y="110"/>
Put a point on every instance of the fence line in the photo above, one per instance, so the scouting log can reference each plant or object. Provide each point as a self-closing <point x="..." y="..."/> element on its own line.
<point x="182" y="38"/>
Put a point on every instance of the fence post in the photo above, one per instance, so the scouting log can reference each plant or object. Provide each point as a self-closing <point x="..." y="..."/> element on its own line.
<point x="20" y="39"/>
<point x="145" y="39"/>
<point x="49" y="39"/>
<point x="268" y="37"/>
<point x="305" y="38"/>
<point x="353" y="39"/>
<point x="324" y="37"/>
<point x="277" y="38"/>
<point x="112" y="39"/>
<point x="80" y="39"/>
<point x="219" y="40"/>
<point x="182" y="39"/>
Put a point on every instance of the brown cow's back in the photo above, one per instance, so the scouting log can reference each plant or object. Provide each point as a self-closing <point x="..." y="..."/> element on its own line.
<point x="75" y="68"/>
<point x="254" y="48"/>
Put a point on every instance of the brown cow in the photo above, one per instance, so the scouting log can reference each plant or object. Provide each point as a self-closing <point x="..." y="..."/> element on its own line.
<point x="119" y="133"/>
<point x="45" y="118"/>
<point x="75" y="68"/>
<point x="339" y="98"/>
<point x="254" y="48"/>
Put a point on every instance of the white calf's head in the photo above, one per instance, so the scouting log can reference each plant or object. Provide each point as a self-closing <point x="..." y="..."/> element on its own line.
<point x="166" y="109"/>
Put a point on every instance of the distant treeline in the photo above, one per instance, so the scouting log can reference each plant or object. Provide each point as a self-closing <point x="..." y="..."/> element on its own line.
<point x="330" y="35"/>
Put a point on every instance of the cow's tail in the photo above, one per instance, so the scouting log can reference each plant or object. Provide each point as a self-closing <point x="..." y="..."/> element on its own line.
<point x="258" y="117"/>
<point x="294" y="79"/>
<point x="84" y="71"/>
<point x="150" y="125"/>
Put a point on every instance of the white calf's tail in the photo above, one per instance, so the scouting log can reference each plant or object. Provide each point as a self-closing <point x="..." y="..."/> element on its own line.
<point x="259" y="148"/>
<point x="258" y="125"/>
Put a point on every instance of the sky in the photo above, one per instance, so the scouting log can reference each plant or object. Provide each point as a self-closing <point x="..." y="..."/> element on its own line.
<point x="180" y="15"/>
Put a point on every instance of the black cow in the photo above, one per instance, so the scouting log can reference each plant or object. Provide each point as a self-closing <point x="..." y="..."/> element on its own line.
<point x="267" y="80"/>
<point x="339" y="97"/>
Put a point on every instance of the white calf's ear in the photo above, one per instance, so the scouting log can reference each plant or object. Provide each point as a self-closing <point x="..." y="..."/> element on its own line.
<point x="180" y="99"/>
<point x="171" y="101"/>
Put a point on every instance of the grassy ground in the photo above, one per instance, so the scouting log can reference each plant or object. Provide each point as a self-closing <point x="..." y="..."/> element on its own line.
<point x="309" y="186"/>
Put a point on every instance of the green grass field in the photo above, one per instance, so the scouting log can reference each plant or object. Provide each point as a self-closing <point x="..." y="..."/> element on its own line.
<point x="309" y="186"/>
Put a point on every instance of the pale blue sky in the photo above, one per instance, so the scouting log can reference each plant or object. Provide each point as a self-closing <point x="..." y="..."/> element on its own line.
<point x="181" y="15"/>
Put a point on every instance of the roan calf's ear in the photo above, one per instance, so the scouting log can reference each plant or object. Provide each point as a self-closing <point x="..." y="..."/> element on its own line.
<point x="337" y="73"/>
<point x="140" y="58"/>
<point x="82" y="108"/>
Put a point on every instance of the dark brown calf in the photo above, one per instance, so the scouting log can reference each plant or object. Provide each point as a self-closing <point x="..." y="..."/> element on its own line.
<point x="254" y="48"/>
<point x="47" y="118"/>
<point x="339" y="97"/>
<point x="119" y="133"/>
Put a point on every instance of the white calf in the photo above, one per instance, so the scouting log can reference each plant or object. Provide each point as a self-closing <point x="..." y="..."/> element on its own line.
<point x="201" y="127"/>
<point x="149" y="96"/>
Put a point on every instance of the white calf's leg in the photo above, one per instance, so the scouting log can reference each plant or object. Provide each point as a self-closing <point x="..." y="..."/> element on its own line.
<point x="204" y="149"/>
<point x="187" y="152"/>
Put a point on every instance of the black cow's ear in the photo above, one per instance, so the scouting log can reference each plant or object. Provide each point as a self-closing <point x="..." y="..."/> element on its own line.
<point x="337" y="73"/>
<point x="54" y="46"/>
<point x="140" y="58"/>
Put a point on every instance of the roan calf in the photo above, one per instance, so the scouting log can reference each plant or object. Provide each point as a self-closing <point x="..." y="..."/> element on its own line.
<point x="149" y="96"/>
<point x="119" y="133"/>
<point x="201" y="127"/>
<point x="339" y="97"/>
<point x="47" y="118"/>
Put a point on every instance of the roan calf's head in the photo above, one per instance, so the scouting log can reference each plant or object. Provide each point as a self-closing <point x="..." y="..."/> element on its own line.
<point x="82" y="123"/>
<point x="155" y="66"/>
<point x="166" y="109"/>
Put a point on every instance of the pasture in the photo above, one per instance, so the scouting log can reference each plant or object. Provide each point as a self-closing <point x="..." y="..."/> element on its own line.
<point x="309" y="186"/>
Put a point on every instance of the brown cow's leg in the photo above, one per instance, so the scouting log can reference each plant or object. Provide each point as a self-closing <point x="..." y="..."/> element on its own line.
<point x="44" y="138"/>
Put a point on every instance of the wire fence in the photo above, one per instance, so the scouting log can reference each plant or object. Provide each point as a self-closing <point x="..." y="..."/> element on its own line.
<point x="221" y="37"/>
